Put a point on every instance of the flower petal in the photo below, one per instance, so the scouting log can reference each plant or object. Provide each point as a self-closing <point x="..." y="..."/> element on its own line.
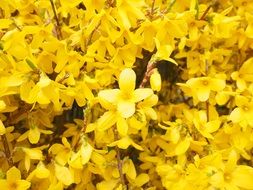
<point x="203" y="94"/>
<point x="13" y="174"/>
<point x="23" y="184"/>
<point x="236" y="115"/>
<point x="142" y="93"/>
<point x="34" y="135"/>
<point x="126" y="108"/>
<point x="242" y="177"/>
<point x="127" y="80"/>
<point x="217" y="84"/>
<point x="107" y="120"/>
<point x="2" y="128"/>
<point x="122" y="126"/>
<point x="109" y="95"/>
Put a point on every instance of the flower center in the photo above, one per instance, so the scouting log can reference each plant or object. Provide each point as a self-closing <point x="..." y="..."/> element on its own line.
<point x="227" y="176"/>
<point x="205" y="82"/>
<point x="192" y="24"/>
<point x="245" y="108"/>
<point x="13" y="186"/>
<point x="244" y="3"/>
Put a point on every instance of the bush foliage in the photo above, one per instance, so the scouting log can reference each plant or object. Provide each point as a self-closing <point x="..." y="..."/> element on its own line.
<point x="126" y="94"/>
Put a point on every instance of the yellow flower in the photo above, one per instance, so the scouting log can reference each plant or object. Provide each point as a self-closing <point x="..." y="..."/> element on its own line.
<point x="232" y="176"/>
<point x="203" y="126"/>
<point x="245" y="74"/>
<point x="125" y="142"/>
<point x="202" y="86"/>
<point x="62" y="152"/>
<point x="243" y="113"/>
<point x="32" y="154"/>
<point x="126" y="96"/>
<point x="14" y="181"/>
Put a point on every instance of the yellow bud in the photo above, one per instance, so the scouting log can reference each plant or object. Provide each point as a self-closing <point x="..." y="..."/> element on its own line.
<point x="156" y="81"/>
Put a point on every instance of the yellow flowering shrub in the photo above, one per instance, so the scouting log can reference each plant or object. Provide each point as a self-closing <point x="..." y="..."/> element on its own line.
<point x="126" y="94"/>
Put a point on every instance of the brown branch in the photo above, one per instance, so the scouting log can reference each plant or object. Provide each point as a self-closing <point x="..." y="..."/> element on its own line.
<point x="58" y="26"/>
<point x="88" y="42"/>
<point x="151" y="65"/>
<point x="119" y="161"/>
<point x="152" y="8"/>
<point x="12" y="119"/>
<point x="7" y="150"/>
<point x="205" y="13"/>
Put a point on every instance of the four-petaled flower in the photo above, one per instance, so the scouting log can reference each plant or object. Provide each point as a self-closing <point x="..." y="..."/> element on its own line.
<point x="14" y="181"/>
<point x="125" y="98"/>
<point x="202" y="86"/>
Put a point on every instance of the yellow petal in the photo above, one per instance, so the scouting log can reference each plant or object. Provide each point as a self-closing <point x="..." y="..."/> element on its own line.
<point x="126" y="108"/>
<point x="63" y="174"/>
<point x="142" y="93"/>
<point x="182" y="147"/>
<point x="203" y="94"/>
<point x="213" y="126"/>
<point x="2" y="105"/>
<point x="86" y="151"/>
<point x="241" y="84"/>
<point x="13" y="174"/>
<point x="76" y="161"/>
<point x="3" y="184"/>
<point x="217" y="84"/>
<point x="5" y="23"/>
<point x="122" y="126"/>
<point x="41" y="171"/>
<point x="27" y="163"/>
<point x="122" y="143"/>
<point x="236" y="115"/>
<point x="33" y="153"/>
<point x="242" y="177"/>
<point x="2" y="128"/>
<point x="109" y="95"/>
<point x="34" y="135"/>
<point x="107" y="185"/>
<point x="107" y="120"/>
<point x="127" y="80"/>
<point x="141" y="179"/>
<point x="23" y="184"/>
<point x="129" y="169"/>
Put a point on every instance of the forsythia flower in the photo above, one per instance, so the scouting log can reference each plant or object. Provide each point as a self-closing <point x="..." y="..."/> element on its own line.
<point x="202" y="86"/>
<point x="126" y="96"/>
<point x="14" y="181"/>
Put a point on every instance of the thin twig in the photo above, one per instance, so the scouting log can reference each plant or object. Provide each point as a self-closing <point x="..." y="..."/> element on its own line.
<point x="119" y="162"/>
<point x="88" y="42"/>
<point x="12" y="119"/>
<point x="120" y="166"/>
<point x="152" y="8"/>
<point x="151" y="65"/>
<point x="205" y="13"/>
<point x="58" y="26"/>
<point x="7" y="150"/>
<point x="207" y="111"/>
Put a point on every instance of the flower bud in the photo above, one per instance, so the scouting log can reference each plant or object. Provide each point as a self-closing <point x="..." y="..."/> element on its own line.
<point x="156" y="81"/>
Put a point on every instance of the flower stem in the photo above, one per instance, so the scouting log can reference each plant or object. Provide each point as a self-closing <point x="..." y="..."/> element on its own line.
<point x="7" y="150"/>
<point x="207" y="111"/>
<point x="119" y="161"/>
<point x="151" y="65"/>
<point x="58" y="26"/>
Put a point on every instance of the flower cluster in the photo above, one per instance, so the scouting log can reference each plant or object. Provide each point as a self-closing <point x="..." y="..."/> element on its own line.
<point x="126" y="94"/>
